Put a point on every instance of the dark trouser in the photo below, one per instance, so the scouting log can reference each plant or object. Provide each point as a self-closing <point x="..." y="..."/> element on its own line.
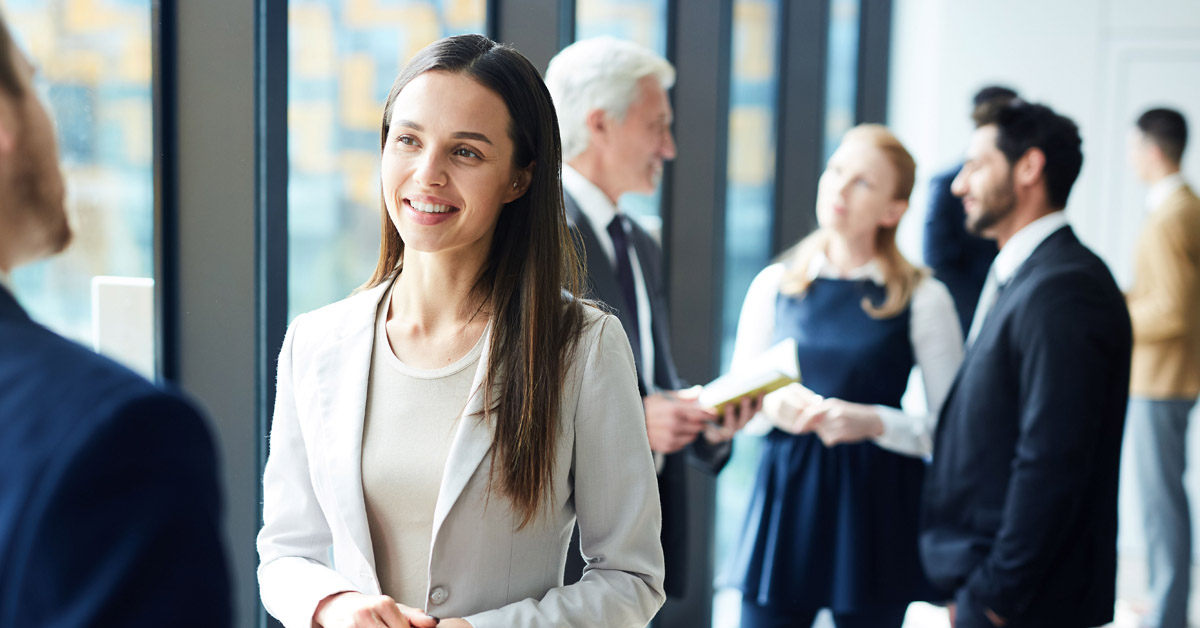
<point x="755" y="616"/>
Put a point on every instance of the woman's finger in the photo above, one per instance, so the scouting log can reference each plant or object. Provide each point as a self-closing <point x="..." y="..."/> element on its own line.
<point x="830" y="432"/>
<point x="390" y="615"/>
<point x="417" y="617"/>
<point x="811" y="417"/>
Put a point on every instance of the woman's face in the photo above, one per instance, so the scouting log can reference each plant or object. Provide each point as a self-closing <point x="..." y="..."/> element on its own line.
<point x="856" y="194"/>
<point x="447" y="164"/>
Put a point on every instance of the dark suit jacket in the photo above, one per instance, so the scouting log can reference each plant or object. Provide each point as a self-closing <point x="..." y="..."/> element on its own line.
<point x="110" y="512"/>
<point x="958" y="259"/>
<point x="602" y="286"/>
<point x="1020" y="503"/>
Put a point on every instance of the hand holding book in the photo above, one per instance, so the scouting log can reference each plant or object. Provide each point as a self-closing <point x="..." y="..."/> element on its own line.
<point x="775" y="368"/>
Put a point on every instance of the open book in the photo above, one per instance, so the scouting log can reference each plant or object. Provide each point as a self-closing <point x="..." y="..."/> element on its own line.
<point x="773" y="369"/>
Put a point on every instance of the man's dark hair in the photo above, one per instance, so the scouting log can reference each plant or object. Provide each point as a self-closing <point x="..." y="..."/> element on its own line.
<point x="1021" y="126"/>
<point x="1167" y="129"/>
<point x="988" y="99"/>
<point x="994" y="92"/>
<point x="10" y="81"/>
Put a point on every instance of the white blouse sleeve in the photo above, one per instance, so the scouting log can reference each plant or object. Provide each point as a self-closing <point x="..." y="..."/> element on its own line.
<point x="938" y="346"/>
<point x="756" y="329"/>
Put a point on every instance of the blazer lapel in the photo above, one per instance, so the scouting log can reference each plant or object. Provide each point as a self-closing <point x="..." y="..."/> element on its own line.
<point x="471" y="444"/>
<point x="601" y="283"/>
<point x="342" y="377"/>
<point x="1063" y="236"/>
<point x="9" y="308"/>
<point x="661" y="374"/>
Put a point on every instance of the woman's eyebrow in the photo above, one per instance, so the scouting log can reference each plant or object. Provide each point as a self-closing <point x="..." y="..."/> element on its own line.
<point x="460" y="135"/>
<point x="471" y="135"/>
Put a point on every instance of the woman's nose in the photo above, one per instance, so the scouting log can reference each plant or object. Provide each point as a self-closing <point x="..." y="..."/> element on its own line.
<point x="431" y="170"/>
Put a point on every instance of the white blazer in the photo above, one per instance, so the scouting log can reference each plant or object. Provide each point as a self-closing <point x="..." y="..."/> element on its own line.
<point x="315" y="540"/>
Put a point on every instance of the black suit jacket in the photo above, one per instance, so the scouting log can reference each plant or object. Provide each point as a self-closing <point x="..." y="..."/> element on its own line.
<point x="1020" y="504"/>
<point x="602" y="286"/>
<point x="958" y="259"/>
<point x="110" y="512"/>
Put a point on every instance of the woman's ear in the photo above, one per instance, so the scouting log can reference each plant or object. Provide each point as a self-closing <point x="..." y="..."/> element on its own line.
<point x="893" y="214"/>
<point x="520" y="184"/>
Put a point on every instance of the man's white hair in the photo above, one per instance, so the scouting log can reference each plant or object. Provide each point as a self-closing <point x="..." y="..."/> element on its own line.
<point x="599" y="73"/>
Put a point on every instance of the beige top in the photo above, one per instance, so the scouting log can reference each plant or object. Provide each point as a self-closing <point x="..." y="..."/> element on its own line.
<point x="1164" y="301"/>
<point x="412" y="417"/>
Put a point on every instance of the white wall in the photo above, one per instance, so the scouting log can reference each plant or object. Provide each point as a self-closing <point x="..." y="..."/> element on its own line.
<point x="1100" y="62"/>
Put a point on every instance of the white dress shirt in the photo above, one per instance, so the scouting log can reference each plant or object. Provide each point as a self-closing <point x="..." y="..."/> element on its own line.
<point x="600" y="211"/>
<point x="1162" y="189"/>
<point x="933" y="331"/>
<point x="1009" y="260"/>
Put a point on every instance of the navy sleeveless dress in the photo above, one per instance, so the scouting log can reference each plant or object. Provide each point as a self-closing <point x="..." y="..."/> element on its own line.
<point x="836" y="527"/>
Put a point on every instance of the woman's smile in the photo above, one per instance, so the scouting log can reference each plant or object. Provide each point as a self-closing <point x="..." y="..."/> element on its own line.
<point x="427" y="214"/>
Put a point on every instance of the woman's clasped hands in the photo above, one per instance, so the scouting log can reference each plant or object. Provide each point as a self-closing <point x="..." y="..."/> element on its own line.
<point x="798" y="410"/>
<point x="351" y="609"/>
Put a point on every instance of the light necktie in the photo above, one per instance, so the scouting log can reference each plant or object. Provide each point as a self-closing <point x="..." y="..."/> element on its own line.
<point x="624" y="272"/>
<point x="987" y="298"/>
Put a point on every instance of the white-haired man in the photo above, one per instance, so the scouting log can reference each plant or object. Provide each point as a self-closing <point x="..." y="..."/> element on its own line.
<point x="615" y="120"/>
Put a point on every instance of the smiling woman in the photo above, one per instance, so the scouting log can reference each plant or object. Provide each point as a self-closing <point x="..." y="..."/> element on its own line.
<point x="444" y="179"/>
<point x="442" y="429"/>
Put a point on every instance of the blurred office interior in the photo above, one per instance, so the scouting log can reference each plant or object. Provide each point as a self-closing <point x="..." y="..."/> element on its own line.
<point x="225" y="154"/>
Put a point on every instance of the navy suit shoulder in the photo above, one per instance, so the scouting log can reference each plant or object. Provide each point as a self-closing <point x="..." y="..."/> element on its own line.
<point x="943" y="221"/>
<point x="110" y="511"/>
<point x="1020" y="501"/>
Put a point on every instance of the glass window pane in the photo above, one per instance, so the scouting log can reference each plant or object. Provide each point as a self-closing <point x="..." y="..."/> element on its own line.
<point x="94" y="63"/>
<point x="640" y="21"/>
<point x="643" y="22"/>
<point x="842" y="79"/>
<point x="342" y="59"/>
<point x="749" y="213"/>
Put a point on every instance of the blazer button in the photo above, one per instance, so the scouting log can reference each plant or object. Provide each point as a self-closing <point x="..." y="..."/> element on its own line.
<point x="439" y="595"/>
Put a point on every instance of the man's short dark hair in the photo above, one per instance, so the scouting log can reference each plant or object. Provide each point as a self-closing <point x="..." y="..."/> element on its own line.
<point x="994" y="92"/>
<point x="1021" y="126"/>
<point x="10" y="80"/>
<point x="1167" y="129"/>
<point x="988" y="99"/>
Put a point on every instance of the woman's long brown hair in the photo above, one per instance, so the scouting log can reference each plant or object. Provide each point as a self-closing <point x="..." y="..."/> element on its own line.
<point x="900" y="275"/>
<point x="530" y="281"/>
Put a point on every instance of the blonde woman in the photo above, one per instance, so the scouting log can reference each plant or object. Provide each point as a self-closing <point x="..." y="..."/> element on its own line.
<point x="833" y="518"/>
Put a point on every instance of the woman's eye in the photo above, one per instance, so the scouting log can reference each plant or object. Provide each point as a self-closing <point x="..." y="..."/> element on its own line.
<point x="466" y="152"/>
<point x="407" y="140"/>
